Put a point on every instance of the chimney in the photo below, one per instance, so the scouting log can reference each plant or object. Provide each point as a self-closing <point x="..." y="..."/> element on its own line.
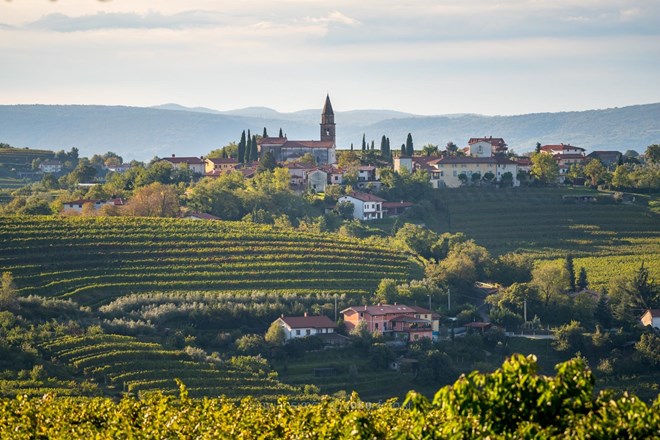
<point x="305" y="314"/>
<point x="173" y="155"/>
<point x="365" y="307"/>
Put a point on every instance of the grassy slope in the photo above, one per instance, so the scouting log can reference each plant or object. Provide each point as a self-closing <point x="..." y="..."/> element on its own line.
<point x="605" y="238"/>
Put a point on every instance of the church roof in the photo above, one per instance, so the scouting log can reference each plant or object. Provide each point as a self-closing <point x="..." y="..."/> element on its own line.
<point x="327" y="107"/>
<point x="308" y="144"/>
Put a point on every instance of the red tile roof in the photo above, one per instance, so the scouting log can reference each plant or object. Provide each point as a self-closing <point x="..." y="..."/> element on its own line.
<point x="397" y="204"/>
<point x="560" y="147"/>
<point x="308" y="144"/>
<point x="272" y="141"/>
<point x="365" y="197"/>
<point x="220" y="160"/>
<point x="495" y="142"/>
<point x="308" y="322"/>
<point x="188" y="160"/>
<point x="385" y="309"/>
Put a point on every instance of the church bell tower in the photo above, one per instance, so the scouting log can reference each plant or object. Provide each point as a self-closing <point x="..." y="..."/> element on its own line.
<point x="327" y="121"/>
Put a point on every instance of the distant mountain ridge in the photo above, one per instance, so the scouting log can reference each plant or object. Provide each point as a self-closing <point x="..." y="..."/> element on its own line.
<point x="141" y="133"/>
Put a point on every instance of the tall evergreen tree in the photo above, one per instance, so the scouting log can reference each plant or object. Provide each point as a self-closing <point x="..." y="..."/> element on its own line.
<point x="538" y="147"/>
<point x="241" y="148"/>
<point x="351" y="146"/>
<point x="373" y="145"/>
<point x="570" y="268"/>
<point x="248" y="150"/>
<point x="281" y="135"/>
<point x="383" y="144"/>
<point x="582" y="282"/>
<point x="364" y="142"/>
<point x="265" y="134"/>
<point x="254" y="155"/>
<point x="403" y="150"/>
<point x="410" y="149"/>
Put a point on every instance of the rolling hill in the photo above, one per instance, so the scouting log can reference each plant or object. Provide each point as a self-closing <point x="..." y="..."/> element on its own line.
<point x="141" y="133"/>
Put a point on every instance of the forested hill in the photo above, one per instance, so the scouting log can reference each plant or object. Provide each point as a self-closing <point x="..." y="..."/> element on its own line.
<point x="141" y="133"/>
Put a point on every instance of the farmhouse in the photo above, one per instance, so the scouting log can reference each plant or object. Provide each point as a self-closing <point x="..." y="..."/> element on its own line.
<point x="651" y="317"/>
<point x="220" y="164"/>
<point x="195" y="164"/>
<point x="408" y="323"/>
<point x="367" y="206"/>
<point x="50" y="166"/>
<point x="77" y="205"/>
<point x="303" y="326"/>
<point x="323" y="151"/>
<point x="565" y="155"/>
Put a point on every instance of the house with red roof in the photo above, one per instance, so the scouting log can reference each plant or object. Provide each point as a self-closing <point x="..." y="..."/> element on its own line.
<point x="367" y="206"/>
<point x="408" y="323"/>
<point x="485" y="147"/>
<point x="303" y="326"/>
<point x="324" y="150"/>
<point x="195" y="164"/>
<point x="220" y="164"/>
<point x="566" y="156"/>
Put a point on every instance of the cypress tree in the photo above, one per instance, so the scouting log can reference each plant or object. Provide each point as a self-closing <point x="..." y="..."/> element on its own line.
<point x="265" y="133"/>
<point x="373" y="145"/>
<point x="383" y="146"/>
<point x="248" y="150"/>
<point x="351" y="146"/>
<point x="364" y="142"/>
<point x="568" y="265"/>
<point x="281" y="135"/>
<point x="241" y="148"/>
<point x="582" y="282"/>
<point x="255" y="151"/>
<point x="403" y="150"/>
<point x="410" y="149"/>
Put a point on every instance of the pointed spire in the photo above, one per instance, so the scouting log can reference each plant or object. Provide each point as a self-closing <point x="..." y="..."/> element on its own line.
<point x="327" y="107"/>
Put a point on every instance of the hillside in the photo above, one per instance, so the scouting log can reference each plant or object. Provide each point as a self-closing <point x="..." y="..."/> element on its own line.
<point x="95" y="260"/>
<point x="141" y="133"/>
<point x="606" y="238"/>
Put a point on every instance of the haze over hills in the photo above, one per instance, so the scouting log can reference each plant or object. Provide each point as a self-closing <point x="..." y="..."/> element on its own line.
<point x="141" y="133"/>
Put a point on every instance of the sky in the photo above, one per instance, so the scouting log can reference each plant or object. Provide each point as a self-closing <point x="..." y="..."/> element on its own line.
<point x="426" y="57"/>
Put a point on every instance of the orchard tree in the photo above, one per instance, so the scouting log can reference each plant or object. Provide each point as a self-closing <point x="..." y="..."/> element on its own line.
<point x="275" y="335"/>
<point x="550" y="281"/>
<point x="595" y="171"/>
<point x="545" y="168"/>
<point x="154" y="200"/>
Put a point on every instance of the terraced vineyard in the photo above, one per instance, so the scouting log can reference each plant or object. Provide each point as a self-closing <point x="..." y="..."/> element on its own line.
<point x="125" y="364"/>
<point x="605" y="238"/>
<point x="95" y="260"/>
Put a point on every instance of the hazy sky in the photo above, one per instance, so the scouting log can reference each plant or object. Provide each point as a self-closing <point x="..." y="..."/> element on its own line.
<point x="420" y="56"/>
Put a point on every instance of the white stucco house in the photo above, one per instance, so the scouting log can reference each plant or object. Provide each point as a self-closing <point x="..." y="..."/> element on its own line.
<point x="303" y="326"/>
<point x="367" y="206"/>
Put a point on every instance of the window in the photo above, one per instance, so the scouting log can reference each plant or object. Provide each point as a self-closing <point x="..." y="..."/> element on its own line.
<point x="297" y="332"/>
<point x="308" y="332"/>
<point x="376" y="326"/>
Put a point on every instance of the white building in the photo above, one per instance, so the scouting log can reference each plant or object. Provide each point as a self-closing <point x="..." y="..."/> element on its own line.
<point x="195" y="164"/>
<point x="445" y="172"/>
<point x="651" y="317"/>
<point x="303" y="326"/>
<point x="77" y="205"/>
<point x="367" y="206"/>
<point x="317" y="180"/>
<point x="50" y="166"/>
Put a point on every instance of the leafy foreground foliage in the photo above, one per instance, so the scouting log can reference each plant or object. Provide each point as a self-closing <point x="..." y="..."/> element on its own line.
<point x="513" y="402"/>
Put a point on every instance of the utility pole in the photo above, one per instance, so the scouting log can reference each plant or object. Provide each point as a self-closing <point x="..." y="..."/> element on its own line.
<point x="525" y="311"/>
<point x="448" y="299"/>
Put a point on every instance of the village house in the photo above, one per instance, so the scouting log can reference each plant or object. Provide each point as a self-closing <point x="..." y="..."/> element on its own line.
<point x="121" y="168"/>
<point x="317" y="179"/>
<point x="195" y="164"/>
<point x="609" y="159"/>
<point x="651" y="317"/>
<point x="566" y="155"/>
<point x="367" y="206"/>
<point x="50" y="166"/>
<point x="407" y="323"/>
<point x="219" y="164"/>
<point x="303" y="326"/>
<point x="77" y="205"/>
<point x="485" y="147"/>
<point x="445" y="172"/>
<point x="367" y="176"/>
<point x="298" y="172"/>
<point x="323" y="151"/>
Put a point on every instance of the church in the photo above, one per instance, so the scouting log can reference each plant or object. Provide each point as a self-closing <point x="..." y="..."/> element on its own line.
<point x="324" y="151"/>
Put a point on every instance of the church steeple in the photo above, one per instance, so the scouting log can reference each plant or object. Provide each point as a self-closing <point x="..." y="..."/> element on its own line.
<point x="327" y="121"/>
